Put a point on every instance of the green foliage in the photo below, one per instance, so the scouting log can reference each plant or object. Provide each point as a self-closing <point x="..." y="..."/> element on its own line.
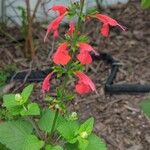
<point x="68" y="130"/>
<point x="145" y="4"/>
<point x="13" y="134"/>
<point x="18" y="104"/>
<point x="87" y="126"/>
<point x="32" y="109"/>
<point x="27" y="92"/>
<point x="145" y="106"/>
<point x="32" y="142"/>
<point x="46" y="120"/>
<point x="95" y="143"/>
<point x="50" y="147"/>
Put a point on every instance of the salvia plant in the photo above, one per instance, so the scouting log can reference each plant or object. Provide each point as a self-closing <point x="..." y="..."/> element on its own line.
<point x="55" y="127"/>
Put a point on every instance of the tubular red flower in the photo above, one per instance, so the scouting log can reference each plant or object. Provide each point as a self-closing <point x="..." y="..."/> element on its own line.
<point x="105" y="30"/>
<point x="84" y="85"/>
<point x="61" y="9"/>
<point x="46" y="84"/>
<point x="71" y="28"/>
<point x="84" y="57"/>
<point x="61" y="56"/>
<point x="106" y="20"/>
<point x="53" y="26"/>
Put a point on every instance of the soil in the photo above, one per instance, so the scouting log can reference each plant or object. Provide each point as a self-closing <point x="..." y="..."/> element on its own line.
<point x="118" y="118"/>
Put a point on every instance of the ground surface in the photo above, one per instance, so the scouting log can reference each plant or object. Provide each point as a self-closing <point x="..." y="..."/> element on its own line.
<point x="118" y="117"/>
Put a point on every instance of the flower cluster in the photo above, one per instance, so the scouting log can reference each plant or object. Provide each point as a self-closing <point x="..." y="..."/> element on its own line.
<point x="63" y="55"/>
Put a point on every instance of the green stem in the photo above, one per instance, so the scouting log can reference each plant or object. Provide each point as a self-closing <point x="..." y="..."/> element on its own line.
<point x="35" y="127"/>
<point x="54" y="121"/>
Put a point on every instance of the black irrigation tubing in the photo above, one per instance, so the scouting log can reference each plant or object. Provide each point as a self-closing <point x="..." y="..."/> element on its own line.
<point x="110" y="86"/>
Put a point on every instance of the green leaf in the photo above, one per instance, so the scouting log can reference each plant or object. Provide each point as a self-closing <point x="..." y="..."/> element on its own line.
<point x="87" y="126"/>
<point x="32" y="109"/>
<point x="46" y="120"/>
<point x="9" y="101"/>
<point x="50" y="147"/>
<point x="83" y="38"/>
<point x="32" y="143"/>
<point x="27" y="92"/>
<point x="145" y="4"/>
<point x="69" y="146"/>
<point x="145" y="106"/>
<point x="96" y="143"/>
<point x="14" y="133"/>
<point x="83" y="143"/>
<point x="68" y="130"/>
<point x="15" y="110"/>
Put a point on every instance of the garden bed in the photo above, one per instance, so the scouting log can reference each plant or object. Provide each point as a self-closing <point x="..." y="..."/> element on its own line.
<point x="118" y="117"/>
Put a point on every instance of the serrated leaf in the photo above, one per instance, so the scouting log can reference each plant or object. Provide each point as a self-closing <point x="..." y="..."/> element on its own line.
<point x="27" y="92"/>
<point x="46" y="120"/>
<point x="87" y="126"/>
<point x="83" y="143"/>
<point x="32" y="143"/>
<point x="14" y="133"/>
<point x="145" y="106"/>
<point x="96" y="143"/>
<point x="9" y="101"/>
<point x="68" y="130"/>
<point x="32" y="109"/>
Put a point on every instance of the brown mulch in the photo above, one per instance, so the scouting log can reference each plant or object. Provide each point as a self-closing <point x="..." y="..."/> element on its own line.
<point x="118" y="118"/>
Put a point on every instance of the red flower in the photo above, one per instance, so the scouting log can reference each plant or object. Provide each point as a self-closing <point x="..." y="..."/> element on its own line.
<point x="85" y="85"/>
<point x="61" y="9"/>
<point x="84" y="57"/>
<point x="46" y="84"/>
<point x="53" y="26"/>
<point x="106" y="22"/>
<point x="71" y="28"/>
<point x="61" y="56"/>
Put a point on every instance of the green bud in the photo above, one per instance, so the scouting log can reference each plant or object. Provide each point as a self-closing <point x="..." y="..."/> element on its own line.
<point x="73" y="116"/>
<point x="18" y="97"/>
<point x="83" y="135"/>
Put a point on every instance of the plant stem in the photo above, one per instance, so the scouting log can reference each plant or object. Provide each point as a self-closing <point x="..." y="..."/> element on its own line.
<point x="34" y="125"/>
<point x="54" y="121"/>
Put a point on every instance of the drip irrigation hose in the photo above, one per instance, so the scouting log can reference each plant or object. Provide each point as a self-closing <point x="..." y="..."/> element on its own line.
<point x="110" y="86"/>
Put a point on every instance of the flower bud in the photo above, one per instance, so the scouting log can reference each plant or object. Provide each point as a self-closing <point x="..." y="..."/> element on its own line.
<point x="18" y="97"/>
<point x="83" y="135"/>
<point x="73" y="116"/>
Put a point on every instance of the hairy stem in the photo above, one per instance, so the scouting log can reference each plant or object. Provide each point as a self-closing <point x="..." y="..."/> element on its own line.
<point x="34" y="125"/>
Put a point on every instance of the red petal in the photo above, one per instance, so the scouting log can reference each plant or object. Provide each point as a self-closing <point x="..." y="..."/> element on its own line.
<point x="86" y="80"/>
<point x="84" y="58"/>
<point x="108" y="20"/>
<point x="63" y="46"/>
<point x="46" y="84"/>
<point x="54" y="25"/>
<point x="105" y="30"/>
<point x="85" y="47"/>
<point x="61" y="9"/>
<point x="82" y="88"/>
<point x="61" y="57"/>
